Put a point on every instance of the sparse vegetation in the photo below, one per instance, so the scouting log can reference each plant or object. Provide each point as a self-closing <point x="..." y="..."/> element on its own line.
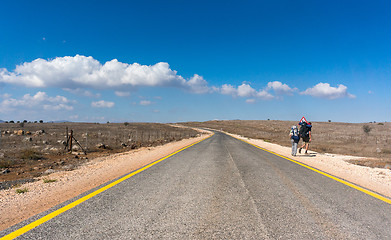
<point x="21" y="190"/>
<point x="366" y="129"/>
<point x="47" y="180"/>
<point x="30" y="154"/>
<point x="5" y="163"/>
<point x="39" y="146"/>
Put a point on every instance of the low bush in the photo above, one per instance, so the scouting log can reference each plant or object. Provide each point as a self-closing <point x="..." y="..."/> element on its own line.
<point x="46" y="180"/>
<point x="30" y="154"/>
<point x="21" y="190"/>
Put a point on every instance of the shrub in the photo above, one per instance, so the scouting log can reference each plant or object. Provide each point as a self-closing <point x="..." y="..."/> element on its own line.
<point x="5" y="163"/>
<point x="30" y="154"/>
<point x="21" y="190"/>
<point x="46" y="180"/>
<point x="366" y="129"/>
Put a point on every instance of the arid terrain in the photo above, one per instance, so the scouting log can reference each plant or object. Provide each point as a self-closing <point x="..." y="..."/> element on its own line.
<point x="30" y="150"/>
<point x="369" y="140"/>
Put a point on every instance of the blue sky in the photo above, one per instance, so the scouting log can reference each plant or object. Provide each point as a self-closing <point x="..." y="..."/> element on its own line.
<point x="170" y="61"/>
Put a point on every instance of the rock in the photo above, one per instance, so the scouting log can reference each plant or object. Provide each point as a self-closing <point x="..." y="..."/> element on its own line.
<point x="123" y="145"/>
<point x="5" y="171"/>
<point x="28" y="133"/>
<point x="27" y="139"/>
<point x="20" y="132"/>
<point x="1" y="155"/>
<point x="378" y="150"/>
<point x="49" y="171"/>
<point x="39" y="132"/>
<point x="101" y="146"/>
<point x="68" y="167"/>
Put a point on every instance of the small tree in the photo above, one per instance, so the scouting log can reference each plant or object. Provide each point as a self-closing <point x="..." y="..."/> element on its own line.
<point x="126" y="123"/>
<point x="40" y="121"/>
<point x="12" y="121"/>
<point x="366" y="129"/>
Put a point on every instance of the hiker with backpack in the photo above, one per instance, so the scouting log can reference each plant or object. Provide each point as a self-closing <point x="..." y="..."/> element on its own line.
<point x="305" y="134"/>
<point x="295" y="138"/>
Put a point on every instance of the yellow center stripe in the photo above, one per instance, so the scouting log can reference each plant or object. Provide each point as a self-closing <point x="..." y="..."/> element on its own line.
<point x="46" y="218"/>
<point x="373" y="194"/>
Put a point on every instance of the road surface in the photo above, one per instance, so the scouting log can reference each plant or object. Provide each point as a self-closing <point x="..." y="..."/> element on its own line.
<point x="221" y="188"/>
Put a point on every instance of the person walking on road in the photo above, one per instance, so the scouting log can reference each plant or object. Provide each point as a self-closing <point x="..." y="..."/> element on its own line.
<point x="295" y="138"/>
<point x="305" y="134"/>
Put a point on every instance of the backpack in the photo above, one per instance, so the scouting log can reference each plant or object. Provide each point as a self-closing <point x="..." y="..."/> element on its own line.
<point x="295" y="134"/>
<point x="304" y="130"/>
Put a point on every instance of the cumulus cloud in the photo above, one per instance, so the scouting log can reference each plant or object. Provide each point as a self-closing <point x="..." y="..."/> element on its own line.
<point x="39" y="101"/>
<point x="122" y="94"/>
<point x="102" y="104"/>
<point x="244" y="90"/>
<point x="86" y="72"/>
<point x="280" y="88"/>
<point x="324" y="90"/>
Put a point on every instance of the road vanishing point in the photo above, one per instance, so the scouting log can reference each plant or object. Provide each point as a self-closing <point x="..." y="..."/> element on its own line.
<point x="219" y="188"/>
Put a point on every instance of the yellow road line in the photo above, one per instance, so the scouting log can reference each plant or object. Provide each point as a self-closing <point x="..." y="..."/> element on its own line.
<point x="46" y="218"/>
<point x="373" y="194"/>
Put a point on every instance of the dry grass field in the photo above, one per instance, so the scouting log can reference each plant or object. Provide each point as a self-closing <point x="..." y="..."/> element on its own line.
<point x="371" y="140"/>
<point x="30" y="150"/>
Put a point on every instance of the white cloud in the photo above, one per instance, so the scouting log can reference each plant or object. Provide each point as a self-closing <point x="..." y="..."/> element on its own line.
<point x="244" y="90"/>
<point x="145" y="102"/>
<point x="324" y="90"/>
<point x="280" y="88"/>
<point x="265" y="95"/>
<point x="40" y="101"/>
<point x="81" y="92"/>
<point x="81" y="72"/>
<point x="252" y="100"/>
<point x="122" y="94"/>
<point x="228" y="89"/>
<point x="102" y="104"/>
<point x="197" y="84"/>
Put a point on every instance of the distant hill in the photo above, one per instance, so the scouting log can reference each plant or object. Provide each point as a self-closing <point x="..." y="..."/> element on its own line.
<point x="1" y="121"/>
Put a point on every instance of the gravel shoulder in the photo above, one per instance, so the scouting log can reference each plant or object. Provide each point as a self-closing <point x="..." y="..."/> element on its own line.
<point x="68" y="184"/>
<point x="375" y="179"/>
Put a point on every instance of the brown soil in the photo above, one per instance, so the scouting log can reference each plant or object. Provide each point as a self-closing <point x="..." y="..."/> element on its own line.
<point x="40" y="146"/>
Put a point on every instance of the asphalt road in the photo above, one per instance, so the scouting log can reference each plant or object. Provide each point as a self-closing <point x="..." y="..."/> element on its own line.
<point x="222" y="188"/>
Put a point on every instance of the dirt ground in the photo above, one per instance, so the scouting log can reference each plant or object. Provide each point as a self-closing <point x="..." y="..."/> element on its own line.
<point x="42" y="196"/>
<point x="31" y="150"/>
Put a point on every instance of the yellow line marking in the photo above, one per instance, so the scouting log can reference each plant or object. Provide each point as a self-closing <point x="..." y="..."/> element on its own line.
<point x="373" y="194"/>
<point x="46" y="218"/>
